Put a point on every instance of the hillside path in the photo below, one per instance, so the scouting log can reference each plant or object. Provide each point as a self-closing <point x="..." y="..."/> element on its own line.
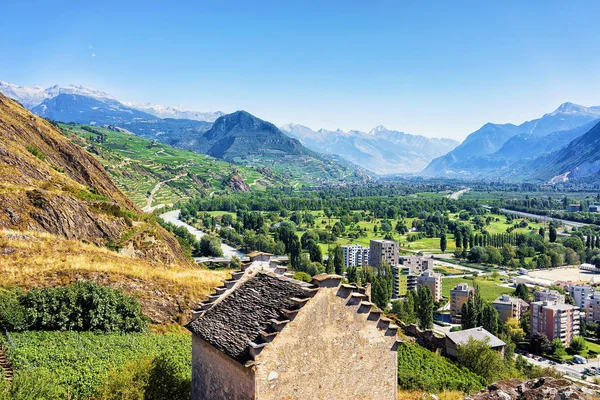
<point x="148" y="208"/>
<point x="5" y="366"/>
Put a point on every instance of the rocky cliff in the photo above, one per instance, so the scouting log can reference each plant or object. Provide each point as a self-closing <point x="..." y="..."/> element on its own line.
<point x="539" y="389"/>
<point x="48" y="184"/>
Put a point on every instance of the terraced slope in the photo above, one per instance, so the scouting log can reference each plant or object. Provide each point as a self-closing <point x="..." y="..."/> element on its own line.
<point x="144" y="168"/>
<point x="49" y="184"/>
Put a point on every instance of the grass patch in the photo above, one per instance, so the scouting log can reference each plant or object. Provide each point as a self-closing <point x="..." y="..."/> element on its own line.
<point x="489" y="289"/>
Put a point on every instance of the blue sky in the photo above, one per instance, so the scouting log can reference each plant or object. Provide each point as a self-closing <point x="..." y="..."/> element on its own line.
<point x="436" y="68"/>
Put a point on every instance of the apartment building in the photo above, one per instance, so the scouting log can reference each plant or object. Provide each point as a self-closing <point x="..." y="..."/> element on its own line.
<point x="555" y="320"/>
<point x="580" y="293"/>
<point x="549" y="295"/>
<point x="432" y="281"/>
<point x="592" y="307"/>
<point x="459" y="295"/>
<point x="416" y="263"/>
<point x="508" y="307"/>
<point x="355" y="255"/>
<point x="404" y="280"/>
<point x="381" y="250"/>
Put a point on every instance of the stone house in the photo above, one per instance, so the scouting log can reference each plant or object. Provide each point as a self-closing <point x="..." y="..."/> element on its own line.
<point x="264" y="335"/>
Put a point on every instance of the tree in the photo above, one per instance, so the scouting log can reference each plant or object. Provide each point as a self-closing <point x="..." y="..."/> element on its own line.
<point x="481" y="359"/>
<point x="468" y="316"/>
<point x="352" y="274"/>
<point x="559" y="348"/>
<point x="552" y="234"/>
<point x="514" y="330"/>
<point x="542" y="232"/>
<point x="443" y="242"/>
<point x="425" y="308"/>
<point x="338" y="260"/>
<point x="489" y="318"/>
<point x="578" y="344"/>
<point x="315" y="252"/>
<point x="522" y="292"/>
<point x="458" y="239"/>
<point x="540" y="344"/>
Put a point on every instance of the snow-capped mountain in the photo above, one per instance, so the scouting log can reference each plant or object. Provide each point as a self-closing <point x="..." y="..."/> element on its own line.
<point x="495" y="150"/>
<point x="175" y="112"/>
<point x="380" y="150"/>
<point x="31" y="96"/>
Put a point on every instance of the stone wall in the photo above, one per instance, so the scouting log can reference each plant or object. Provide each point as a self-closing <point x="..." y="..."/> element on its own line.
<point x="330" y="350"/>
<point x="427" y="338"/>
<point x="215" y="376"/>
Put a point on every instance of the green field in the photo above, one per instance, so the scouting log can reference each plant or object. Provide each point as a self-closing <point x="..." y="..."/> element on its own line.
<point x="489" y="289"/>
<point x="80" y="361"/>
<point x="137" y="165"/>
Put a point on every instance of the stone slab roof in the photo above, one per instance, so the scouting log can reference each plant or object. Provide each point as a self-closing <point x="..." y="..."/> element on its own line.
<point x="237" y="320"/>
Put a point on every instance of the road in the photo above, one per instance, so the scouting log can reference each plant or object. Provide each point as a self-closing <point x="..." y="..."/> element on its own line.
<point x="148" y="207"/>
<point x="173" y="217"/>
<point x="456" y="195"/>
<point x="544" y="218"/>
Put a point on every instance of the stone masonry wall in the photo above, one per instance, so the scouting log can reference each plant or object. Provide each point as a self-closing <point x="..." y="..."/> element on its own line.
<point x="328" y="351"/>
<point x="215" y="376"/>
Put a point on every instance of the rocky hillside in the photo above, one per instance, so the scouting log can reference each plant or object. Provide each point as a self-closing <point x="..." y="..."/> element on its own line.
<point x="244" y="139"/>
<point x="539" y="389"/>
<point x="48" y="184"/>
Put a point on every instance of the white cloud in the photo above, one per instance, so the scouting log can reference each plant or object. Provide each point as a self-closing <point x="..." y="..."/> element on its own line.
<point x="93" y="54"/>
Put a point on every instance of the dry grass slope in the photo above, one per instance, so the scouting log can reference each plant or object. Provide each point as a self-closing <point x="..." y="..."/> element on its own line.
<point x="30" y="259"/>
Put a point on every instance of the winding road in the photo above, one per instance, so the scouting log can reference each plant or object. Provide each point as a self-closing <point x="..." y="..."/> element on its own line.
<point x="148" y="207"/>
<point x="456" y="195"/>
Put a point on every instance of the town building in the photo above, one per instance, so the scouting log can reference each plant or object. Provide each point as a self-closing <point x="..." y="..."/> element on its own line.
<point x="509" y="307"/>
<point x="555" y="320"/>
<point x="259" y="256"/>
<point x="263" y="336"/>
<point x="592" y="307"/>
<point x="381" y="250"/>
<point x="459" y="295"/>
<point x="404" y="280"/>
<point x="579" y="293"/>
<point x="416" y="263"/>
<point x="574" y="207"/>
<point x="458" y="338"/>
<point x="548" y="295"/>
<point x="595" y="207"/>
<point x="355" y="255"/>
<point x="432" y="281"/>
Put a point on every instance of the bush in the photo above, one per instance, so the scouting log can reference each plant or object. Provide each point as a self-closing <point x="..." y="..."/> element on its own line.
<point x="302" y="276"/>
<point x="169" y="378"/>
<point x="127" y="382"/>
<point x="82" y="306"/>
<point x="36" y="151"/>
<point x="578" y="344"/>
<point x="31" y="384"/>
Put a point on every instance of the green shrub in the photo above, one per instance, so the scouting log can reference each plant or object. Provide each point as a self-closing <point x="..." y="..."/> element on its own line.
<point x="32" y="384"/>
<point x="127" y="382"/>
<point x="36" y="152"/>
<point x="82" y="306"/>
<point x="303" y="276"/>
<point x="170" y="378"/>
<point x="13" y="314"/>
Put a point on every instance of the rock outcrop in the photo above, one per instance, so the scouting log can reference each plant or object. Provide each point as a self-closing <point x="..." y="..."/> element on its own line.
<point x="534" y="389"/>
<point x="49" y="184"/>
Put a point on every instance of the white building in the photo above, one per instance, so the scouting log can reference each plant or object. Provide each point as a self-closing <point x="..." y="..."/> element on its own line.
<point x="433" y="282"/>
<point x="580" y="293"/>
<point x="592" y="307"/>
<point x="355" y="255"/>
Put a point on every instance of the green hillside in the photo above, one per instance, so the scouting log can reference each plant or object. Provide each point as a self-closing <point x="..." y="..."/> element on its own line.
<point x="138" y="165"/>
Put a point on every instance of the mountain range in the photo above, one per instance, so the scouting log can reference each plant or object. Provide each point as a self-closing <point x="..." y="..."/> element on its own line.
<point x="501" y="150"/>
<point x="380" y="150"/>
<point x="495" y="151"/>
